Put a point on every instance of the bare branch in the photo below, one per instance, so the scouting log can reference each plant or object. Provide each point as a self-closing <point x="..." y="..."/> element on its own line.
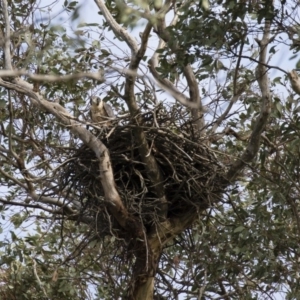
<point x="194" y="101"/>
<point x="7" y="55"/>
<point x="202" y="289"/>
<point x="13" y="179"/>
<point x="163" y="83"/>
<point x="18" y="158"/>
<point x="53" y="201"/>
<point x="225" y="113"/>
<point x="261" y="121"/>
<point x="53" y="78"/>
<point x="168" y="86"/>
<point x="145" y="152"/>
<point x="117" y="28"/>
<point x="38" y="278"/>
<point x="197" y="113"/>
<point x="106" y="172"/>
<point x="143" y="47"/>
<point x="28" y="205"/>
<point x="264" y="64"/>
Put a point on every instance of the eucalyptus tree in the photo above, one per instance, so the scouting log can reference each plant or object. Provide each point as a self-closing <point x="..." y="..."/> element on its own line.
<point x="191" y="191"/>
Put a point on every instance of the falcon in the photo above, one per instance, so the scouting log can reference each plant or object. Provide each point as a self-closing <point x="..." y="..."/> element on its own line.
<point x="101" y="112"/>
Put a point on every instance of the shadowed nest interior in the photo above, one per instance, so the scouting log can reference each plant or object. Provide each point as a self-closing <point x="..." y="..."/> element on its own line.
<point x="193" y="175"/>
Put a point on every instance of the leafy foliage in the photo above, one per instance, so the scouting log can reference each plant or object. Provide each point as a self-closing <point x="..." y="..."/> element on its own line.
<point x="64" y="242"/>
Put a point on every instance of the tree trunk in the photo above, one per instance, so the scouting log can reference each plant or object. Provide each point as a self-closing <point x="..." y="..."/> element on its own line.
<point x="148" y="255"/>
<point x="147" y="259"/>
<point x="145" y="290"/>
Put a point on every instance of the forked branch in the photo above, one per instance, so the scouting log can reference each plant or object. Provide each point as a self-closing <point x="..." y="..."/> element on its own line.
<point x="117" y="28"/>
<point x="107" y="179"/>
<point x="139" y="134"/>
<point x="194" y="101"/>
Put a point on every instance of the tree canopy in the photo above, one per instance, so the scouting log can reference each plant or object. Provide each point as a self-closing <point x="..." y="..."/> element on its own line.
<point x="191" y="191"/>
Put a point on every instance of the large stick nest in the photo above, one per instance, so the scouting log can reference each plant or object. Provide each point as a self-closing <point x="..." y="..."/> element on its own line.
<point x="193" y="175"/>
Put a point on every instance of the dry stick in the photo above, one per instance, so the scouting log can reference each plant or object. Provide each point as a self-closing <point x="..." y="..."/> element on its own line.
<point x="12" y="203"/>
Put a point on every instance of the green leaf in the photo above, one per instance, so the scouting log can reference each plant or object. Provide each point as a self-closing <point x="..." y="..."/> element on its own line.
<point x="239" y="229"/>
<point x="279" y="107"/>
<point x="2" y="103"/>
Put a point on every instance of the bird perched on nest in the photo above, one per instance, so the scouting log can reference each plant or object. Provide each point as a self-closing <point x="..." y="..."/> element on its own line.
<point x="101" y="112"/>
<point x="295" y="81"/>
